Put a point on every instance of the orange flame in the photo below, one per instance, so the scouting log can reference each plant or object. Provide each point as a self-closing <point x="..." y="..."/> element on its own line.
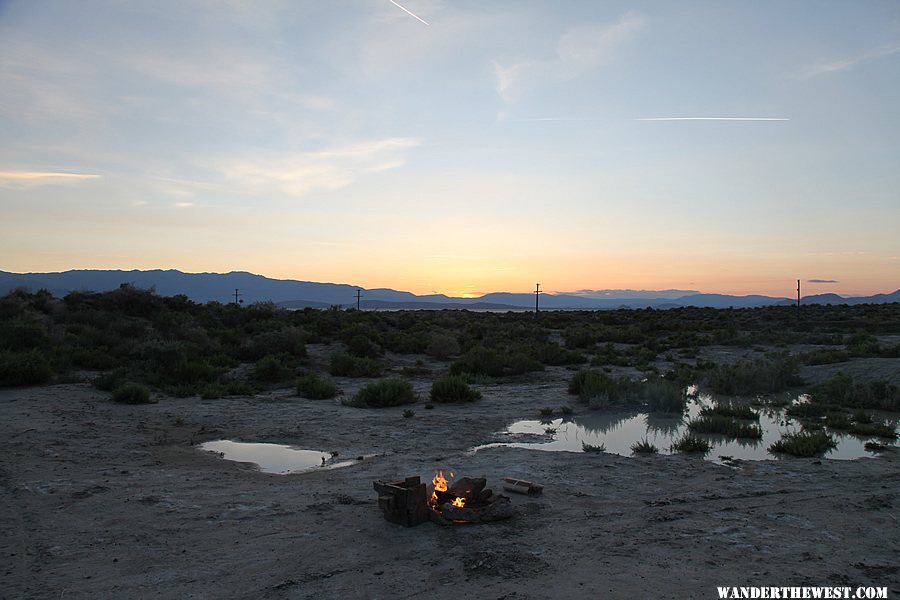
<point x="439" y="482"/>
<point x="459" y="502"/>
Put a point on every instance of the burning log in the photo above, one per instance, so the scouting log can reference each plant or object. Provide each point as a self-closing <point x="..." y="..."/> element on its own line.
<point x="403" y="502"/>
<point x="496" y="508"/>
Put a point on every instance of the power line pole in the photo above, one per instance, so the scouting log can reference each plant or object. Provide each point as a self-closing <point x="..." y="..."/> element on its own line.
<point x="237" y="295"/>
<point x="537" y="292"/>
<point x="358" y="293"/>
<point x="798" y="299"/>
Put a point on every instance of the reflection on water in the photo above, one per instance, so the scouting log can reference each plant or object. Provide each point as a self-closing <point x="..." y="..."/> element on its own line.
<point x="274" y="458"/>
<point x="617" y="431"/>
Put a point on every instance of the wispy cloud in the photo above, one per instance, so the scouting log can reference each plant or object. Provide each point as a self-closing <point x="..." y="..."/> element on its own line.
<point x="844" y="64"/>
<point x="329" y="169"/>
<point x="822" y="281"/>
<point x="34" y="178"/>
<point x="579" y="51"/>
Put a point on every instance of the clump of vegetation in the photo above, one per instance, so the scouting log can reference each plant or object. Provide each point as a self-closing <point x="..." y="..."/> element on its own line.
<point x="453" y="389"/>
<point x="274" y="368"/>
<point x="690" y="443"/>
<point x="547" y="411"/>
<point x="313" y="387"/>
<point x="598" y="388"/>
<point x="409" y="414"/>
<point x="585" y="447"/>
<point x="662" y="395"/>
<point x="837" y="420"/>
<point x="803" y="444"/>
<point x="806" y="410"/>
<point x="131" y="393"/>
<point x="220" y="390"/>
<point x="495" y="363"/>
<point x="442" y="346"/>
<point x="30" y="367"/>
<point x="347" y="365"/>
<point x="764" y="376"/>
<point x="884" y="430"/>
<point x="644" y="447"/>
<point x="725" y="426"/>
<point x="566" y="410"/>
<point x="841" y="390"/>
<point x="734" y="411"/>
<point x="385" y="392"/>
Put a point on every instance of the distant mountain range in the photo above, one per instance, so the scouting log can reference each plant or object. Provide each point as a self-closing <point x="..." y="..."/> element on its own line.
<point x="205" y="287"/>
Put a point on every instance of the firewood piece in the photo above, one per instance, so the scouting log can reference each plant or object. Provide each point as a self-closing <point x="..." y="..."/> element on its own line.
<point x="497" y="510"/>
<point x="467" y="487"/>
<point x="521" y="487"/>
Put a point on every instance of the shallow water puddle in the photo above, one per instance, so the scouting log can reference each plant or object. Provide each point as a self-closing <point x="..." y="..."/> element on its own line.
<point x="274" y="458"/>
<point x="617" y="431"/>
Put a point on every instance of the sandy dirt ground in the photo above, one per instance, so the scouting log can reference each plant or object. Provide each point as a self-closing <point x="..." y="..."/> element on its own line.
<point x="100" y="500"/>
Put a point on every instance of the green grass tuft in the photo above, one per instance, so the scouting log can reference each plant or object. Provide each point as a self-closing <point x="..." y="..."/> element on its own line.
<point x="385" y="392"/>
<point x="803" y="444"/>
<point x="453" y="389"/>
<point x="690" y="443"/>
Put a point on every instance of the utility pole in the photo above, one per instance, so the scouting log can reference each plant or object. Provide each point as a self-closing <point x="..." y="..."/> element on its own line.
<point x="798" y="299"/>
<point x="537" y="292"/>
<point x="237" y="295"/>
<point x="358" y="293"/>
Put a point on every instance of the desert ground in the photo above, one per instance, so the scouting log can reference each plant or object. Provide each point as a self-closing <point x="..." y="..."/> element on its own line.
<point x="102" y="500"/>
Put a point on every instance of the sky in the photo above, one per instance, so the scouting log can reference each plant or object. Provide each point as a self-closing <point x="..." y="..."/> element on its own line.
<point x="501" y="144"/>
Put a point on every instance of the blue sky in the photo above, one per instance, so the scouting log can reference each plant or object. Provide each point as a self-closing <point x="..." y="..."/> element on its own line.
<point x="499" y="145"/>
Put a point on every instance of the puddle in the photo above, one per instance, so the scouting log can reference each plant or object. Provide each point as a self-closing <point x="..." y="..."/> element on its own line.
<point x="617" y="431"/>
<point x="275" y="458"/>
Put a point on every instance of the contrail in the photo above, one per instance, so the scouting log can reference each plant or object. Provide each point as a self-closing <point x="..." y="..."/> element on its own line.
<point x="409" y="12"/>
<point x="713" y="119"/>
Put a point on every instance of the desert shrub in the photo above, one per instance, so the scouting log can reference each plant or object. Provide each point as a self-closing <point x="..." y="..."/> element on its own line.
<point x="644" y="447"/>
<point x="453" y="389"/>
<point x="804" y="443"/>
<point x="554" y="354"/>
<point x="385" y="392"/>
<point x="232" y="388"/>
<point x="735" y="411"/>
<point x="843" y="391"/>
<point x="131" y="393"/>
<point x="273" y="368"/>
<point x="863" y="344"/>
<point x="662" y="395"/>
<point x="287" y="340"/>
<point x="23" y="333"/>
<point x="347" y="365"/>
<point x="110" y="380"/>
<point x="442" y="346"/>
<point x="479" y="361"/>
<point x="24" y="368"/>
<point x="361" y="346"/>
<point x="689" y="443"/>
<point x="725" y="426"/>
<point x="773" y="374"/>
<point x="885" y="430"/>
<point x="315" y="388"/>
<point x="825" y="357"/>
<point x="837" y="420"/>
<point x="593" y="383"/>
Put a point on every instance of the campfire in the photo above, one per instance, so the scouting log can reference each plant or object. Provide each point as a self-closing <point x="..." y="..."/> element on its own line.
<point x="466" y="500"/>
